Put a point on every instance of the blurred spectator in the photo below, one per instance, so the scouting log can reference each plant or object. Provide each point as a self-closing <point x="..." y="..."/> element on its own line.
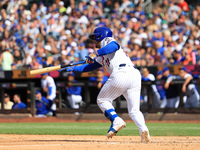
<point x="171" y="90"/>
<point x="7" y="103"/>
<point x="6" y="60"/>
<point x="47" y="50"/>
<point x="198" y="55"/>
<point x="14" y="66"/>
<point x="134" y="61"/>
<point x="64" y="25"/>
<point x="174" y="11"/>
<point x="177" y="57"/>
<point x="83" y="51"/>
<point x="183" y="5"/>
<point x="42" y="105"/>
<point x="189" y="89"/>
<point x="73" y="92"/>
<point x="164" y="6"/>
<point x="34" y="64"/>
<point x="30" y="48"/>
<point x="18" y="59"/>
<point x="49" y="88"/>
<point x="62" y="9"/>
<point x="18" y="103"/>
<point x="147" y="76"/>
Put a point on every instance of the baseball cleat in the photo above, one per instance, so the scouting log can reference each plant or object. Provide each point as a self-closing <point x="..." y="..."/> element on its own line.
<point x="114" y="129"/>
<point x="145" y="137"/>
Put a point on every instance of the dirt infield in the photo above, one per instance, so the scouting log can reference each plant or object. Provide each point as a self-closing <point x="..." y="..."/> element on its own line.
<point x="66" y="142"/>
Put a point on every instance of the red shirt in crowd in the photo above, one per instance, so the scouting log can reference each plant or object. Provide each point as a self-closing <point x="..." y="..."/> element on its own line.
<point x="184" y="6"/>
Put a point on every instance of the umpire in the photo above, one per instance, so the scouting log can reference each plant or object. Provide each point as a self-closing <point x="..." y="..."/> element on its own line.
<point x="171" y="90"/>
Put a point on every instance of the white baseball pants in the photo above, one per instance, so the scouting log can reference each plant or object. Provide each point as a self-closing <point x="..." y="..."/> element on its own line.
<point x="74" y="101"/>
<point x="127" y="82"/>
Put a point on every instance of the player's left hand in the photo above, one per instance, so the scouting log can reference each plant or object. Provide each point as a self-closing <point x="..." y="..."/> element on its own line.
<point x="91" y="58"/>
<point x="68" y="69"/>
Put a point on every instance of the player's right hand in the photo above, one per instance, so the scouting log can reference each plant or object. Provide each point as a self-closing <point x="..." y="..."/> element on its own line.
<point x="68" y="69"/>
<point x="91" y="58"/>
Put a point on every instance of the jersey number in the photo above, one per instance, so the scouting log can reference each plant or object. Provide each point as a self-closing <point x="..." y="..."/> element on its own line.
<point x="107" y="61"/>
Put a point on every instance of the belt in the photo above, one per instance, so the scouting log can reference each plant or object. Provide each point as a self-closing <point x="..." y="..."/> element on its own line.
<point x="124" y="65"/>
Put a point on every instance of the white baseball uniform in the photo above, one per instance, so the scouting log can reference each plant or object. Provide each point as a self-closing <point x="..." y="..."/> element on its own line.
<point x="192" y="94"/>
<point x="50" y="84"/>
<point x="154" y="92"/>
<point x="74" y="101"/>
<point x="124" y="80"/>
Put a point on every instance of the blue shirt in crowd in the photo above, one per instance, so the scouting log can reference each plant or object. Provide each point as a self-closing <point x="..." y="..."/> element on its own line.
<point x="19" y="105"/>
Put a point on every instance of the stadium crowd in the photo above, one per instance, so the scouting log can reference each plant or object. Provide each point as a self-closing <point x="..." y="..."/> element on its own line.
<point x="46" y="35"/>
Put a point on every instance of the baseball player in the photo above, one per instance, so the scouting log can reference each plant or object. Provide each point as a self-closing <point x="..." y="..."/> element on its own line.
<point x="49" y="87"/>
<point x="124" y="80"/>
<point x="147" y="76"/>
<point x="161" y="90"/>
<point x="74" y="92"/>
<point x="18" y="103"/>
<point x="171" y="90"/>
<point x="42" y="105"/>
<point x="190" y="90"/>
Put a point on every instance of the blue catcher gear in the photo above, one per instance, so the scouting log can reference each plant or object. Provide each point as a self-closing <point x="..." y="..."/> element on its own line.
<point x="100" y="33"/>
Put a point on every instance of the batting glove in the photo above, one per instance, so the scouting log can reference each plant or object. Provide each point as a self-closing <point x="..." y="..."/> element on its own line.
<point x="68" y="69"/>
<point x="91" y="58"/>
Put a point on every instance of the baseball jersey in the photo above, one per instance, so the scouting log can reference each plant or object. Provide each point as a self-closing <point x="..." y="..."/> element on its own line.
<point x="112" y="61"/>
<point x="161" y="91"/>
<point x="75" y="90"/>
<point x="151" y="77"/>
<point x="172" y="91"/>
<point x="19" y="105"/>
<point x="42" y="106"/>
<point x="190" y="87"/>
<point x="50" y="84"/>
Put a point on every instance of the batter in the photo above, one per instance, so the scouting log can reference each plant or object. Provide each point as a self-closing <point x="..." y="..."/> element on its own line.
<point x="124" y="80"/>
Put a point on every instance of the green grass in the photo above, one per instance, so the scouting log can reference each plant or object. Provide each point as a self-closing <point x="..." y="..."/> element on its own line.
<point x="156" y="129"/>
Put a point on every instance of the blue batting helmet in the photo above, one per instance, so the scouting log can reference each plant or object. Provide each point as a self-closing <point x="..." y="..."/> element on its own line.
<point x="100" y="33"/>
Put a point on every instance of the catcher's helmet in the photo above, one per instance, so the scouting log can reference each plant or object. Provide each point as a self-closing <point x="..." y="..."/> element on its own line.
<point x="100" y="33"/>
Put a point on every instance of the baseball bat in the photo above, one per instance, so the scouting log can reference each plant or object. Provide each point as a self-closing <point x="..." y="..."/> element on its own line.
<point x="53" y="68"/>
